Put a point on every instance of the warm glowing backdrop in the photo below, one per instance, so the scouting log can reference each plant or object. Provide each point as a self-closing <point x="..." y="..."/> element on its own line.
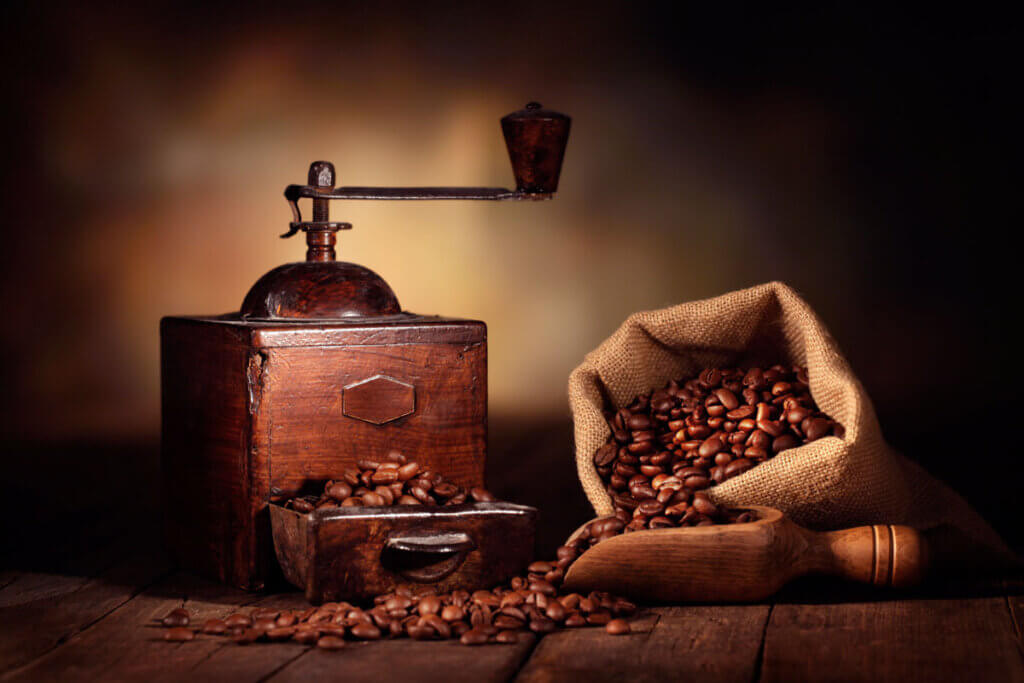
<point x="858" y="160"/>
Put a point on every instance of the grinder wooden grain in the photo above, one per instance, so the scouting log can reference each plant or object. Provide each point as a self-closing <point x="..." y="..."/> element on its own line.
<point x="357" y="553"/>
<point x="745" y="562"/>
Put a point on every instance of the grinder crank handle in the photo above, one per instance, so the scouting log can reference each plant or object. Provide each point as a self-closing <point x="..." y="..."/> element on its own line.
<point x="535" y="137"/>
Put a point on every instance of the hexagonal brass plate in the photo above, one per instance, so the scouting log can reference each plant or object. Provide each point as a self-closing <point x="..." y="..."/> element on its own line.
<point x="378" y="399"/>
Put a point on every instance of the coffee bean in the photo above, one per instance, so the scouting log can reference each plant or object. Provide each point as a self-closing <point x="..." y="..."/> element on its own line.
<point x="331" y="630"/>
<point x="710" y="378"/>
<point x="555" y="611"/>
<point x="474" y="637"/>
<point x="264" y="623"/>
<point x="507" y="637"/>
<point x="817" y="428"/>
<point x="727" y="398"/>
<point x="396" y="457"/>
<point x="542" y="625"/>
<point x="650" y="470"/>
<point x="408" y="471"/>
<point x="738" y="466"/>
<point x="306" y="636"/>
<point x="338" y="490"/>
<point x="639" y="422"/>
<point x="617" y="627"/>
<point x="417" y="630"/>
<point x="439" y="626"/>
<point x="365" y="631"/>
<point x="330" y="643"/>
<point x="215" y="627"/>
<point x="741" y="413"/>
<point x="710" y="447"/>
<point x="650" y="507"/>
<point x="643" y="491"/>
<point x="482" y="495"/>
<point x="797" y="414"/>
<point x="279" y="633"/>
<point x="695" y="483"/>
<point x="179" y="634"/>
<point x="429" y="604"/>
<point x="176" y="617"/>
<point x="372" y="499"/>
<point x="246" y="636"/>
<point x="385" y="493"/>
<point x="383" y="476"/>
<point x="784" y="442"/>
<point x="238" y="621"/>
<point x="705" y="506"/>
<point x="452" y="613"/>
<point x="575" y="620"/>
<point x="772" y="427"/>
<point x="505" y="621"/>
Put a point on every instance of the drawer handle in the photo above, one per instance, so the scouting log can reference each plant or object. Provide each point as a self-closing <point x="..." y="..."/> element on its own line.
<point x="426" y="556"/>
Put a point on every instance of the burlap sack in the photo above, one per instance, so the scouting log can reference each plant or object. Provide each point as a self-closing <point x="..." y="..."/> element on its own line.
<point x="830" y="483"/>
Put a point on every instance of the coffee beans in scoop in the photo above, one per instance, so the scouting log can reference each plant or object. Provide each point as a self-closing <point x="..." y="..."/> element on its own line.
<point x="668" y="445"/>
<point x="677" y="515"/>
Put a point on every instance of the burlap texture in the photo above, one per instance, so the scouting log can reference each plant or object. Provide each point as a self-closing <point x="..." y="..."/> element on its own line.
<point x="830" y="483"/>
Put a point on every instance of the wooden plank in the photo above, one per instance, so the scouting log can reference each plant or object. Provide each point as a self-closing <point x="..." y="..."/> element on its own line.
<point x="7" y="577"/>
<point x="1015" y="604"/>
<point x="706" y="642"/>
<point x="126" y="644"/>
<point x="231" y="662"/>
<point x="898" y="640"/>
<point x="40" y="611"/>
<point x="409" y="660"/>
<point x="404" y="659"/>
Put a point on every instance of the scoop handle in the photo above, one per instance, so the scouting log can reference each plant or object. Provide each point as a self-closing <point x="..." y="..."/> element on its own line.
<point x="882" y="554"/>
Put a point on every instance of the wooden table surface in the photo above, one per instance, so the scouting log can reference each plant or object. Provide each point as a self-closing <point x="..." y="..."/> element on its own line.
<point x="94" y="622"/>
<point x="83" y="578"/>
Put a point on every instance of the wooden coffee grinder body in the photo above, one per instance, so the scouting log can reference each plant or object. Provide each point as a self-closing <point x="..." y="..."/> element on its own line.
<point x="252" y="411"/>
<point x="321" y="368"/>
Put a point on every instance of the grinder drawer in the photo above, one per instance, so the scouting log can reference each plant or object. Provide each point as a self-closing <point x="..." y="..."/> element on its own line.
<point x="355" y="553"/>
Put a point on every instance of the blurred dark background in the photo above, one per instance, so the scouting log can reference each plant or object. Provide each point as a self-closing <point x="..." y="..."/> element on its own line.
<point x="862" y="156"/>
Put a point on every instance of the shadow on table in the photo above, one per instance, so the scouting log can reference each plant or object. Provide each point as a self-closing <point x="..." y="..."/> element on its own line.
<point x="73" y="509"/>
<point x="62" y="502"/>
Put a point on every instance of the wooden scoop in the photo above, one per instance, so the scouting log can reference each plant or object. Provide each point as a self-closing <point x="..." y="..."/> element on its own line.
<point x="744" y="562"/>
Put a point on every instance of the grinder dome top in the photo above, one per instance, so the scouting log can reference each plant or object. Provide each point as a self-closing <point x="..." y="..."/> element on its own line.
<point x="322" y="288"/>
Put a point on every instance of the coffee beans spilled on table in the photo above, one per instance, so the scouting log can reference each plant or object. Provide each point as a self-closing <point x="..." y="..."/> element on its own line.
<point x="532" y="602"/>
<point x="668" y="446"/>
